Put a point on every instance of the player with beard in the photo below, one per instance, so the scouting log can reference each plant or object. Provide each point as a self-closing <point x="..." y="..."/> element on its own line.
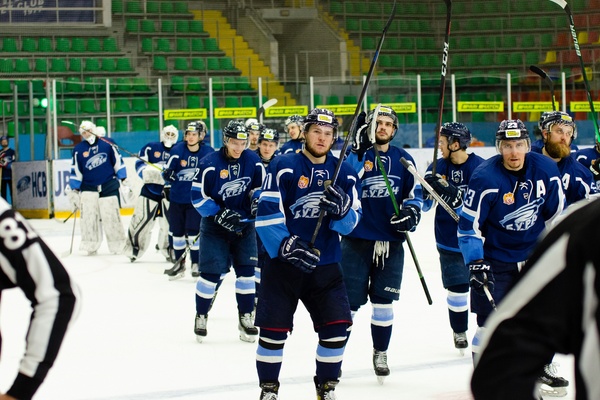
<point x="222" y="192"/>
<point x="558" y="131"/>
<point x="255" y="129"/>
<point x="373" y="253"/>
<point x="293" y="126"/>
<point x="180" y="171"/>
<point x="294" y="194"/>
<point x="509" y="200"/>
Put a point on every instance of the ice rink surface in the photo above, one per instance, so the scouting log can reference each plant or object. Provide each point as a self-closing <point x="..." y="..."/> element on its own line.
<point x="134" y="338"/>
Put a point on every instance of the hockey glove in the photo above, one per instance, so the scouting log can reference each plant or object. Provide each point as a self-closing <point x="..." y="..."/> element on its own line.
<point x="407" y="220"/>
<point x="298" y="253"/>
<point x="450" y="194"/>
<point x="481" y="275"/>
<point x="335" y="201"/>
<point x="360" y="137"/>
<point x="152" y="175"/>
<point x="126" y="191"/>
<point x="169" y="175"/>
<point x="595" y="168"/>
<point x="229" y="220"/>
<point x="74" y="199"/>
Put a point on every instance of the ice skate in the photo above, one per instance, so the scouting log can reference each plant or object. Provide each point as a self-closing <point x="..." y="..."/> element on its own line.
<point x="248" y="332"/>
<point x="200" y="327"/>
<point x="177" y="271"/>
<point x="552" y="385"/>
<point x="461" y="342"/>
<point x="269" y="391"/>
<point x="380" y="365"/>
<point x="195" y="270"/>
<point x="326" y="390"/>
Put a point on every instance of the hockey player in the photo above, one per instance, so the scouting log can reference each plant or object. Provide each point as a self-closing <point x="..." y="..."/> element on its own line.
<point x="184" y="221"/>
<point x="96" y="169"/>
<point x="149" y="204"/>
<point x="373" y="253"/>
<point x="7" y="157"/>
<point x="28" y="263"/>
<point x="552" y="309"/>
<point x="558" y="132"/>
<point x="222" y="193"/>
<point x="590" y="158"/>
<point x="254" y="130"/>
<point x="293" y="126"/>
<point x="509" y="199"/>
<point x="294" y="194"/>
<point x="454" y="170"/>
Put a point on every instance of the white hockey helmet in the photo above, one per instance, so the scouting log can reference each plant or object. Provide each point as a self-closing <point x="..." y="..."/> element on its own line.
<point x="87" y="126"/>
<point x="169" y="135"/>
<point x="100" y="131"/>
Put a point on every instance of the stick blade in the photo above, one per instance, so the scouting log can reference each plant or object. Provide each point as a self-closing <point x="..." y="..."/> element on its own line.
<point x="269" y="103"/>
<point x="538" y="71"/>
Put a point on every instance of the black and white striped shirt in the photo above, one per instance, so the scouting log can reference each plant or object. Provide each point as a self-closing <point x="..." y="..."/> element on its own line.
<point x="26" y="262"/>
<point x="553" y="308"/>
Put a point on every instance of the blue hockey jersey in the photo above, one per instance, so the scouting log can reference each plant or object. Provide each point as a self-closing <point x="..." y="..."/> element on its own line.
<point x="586" y="156"/>
<point x="154" y="153"/>
<point x="94" y="165"/>
<point x="185" y="166"/>
<point x="504" y="212"/>
<point x="227" y="183"/>
<point x="291" y="146"/>
<point x="377" y="208"/>
<point x="459" y="175"/>
<point x="289" y="204"/>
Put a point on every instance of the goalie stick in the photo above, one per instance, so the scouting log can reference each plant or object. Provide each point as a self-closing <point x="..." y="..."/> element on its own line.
<point x="445" y="53"/>
<point x="359" y="102"/>
<point x="395" y="203"/>
<point x="542" y="74"/>
<point x="428" y="187"/>
<point x="563" y="4"/>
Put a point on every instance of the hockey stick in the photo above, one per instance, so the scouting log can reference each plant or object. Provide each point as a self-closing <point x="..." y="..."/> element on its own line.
<point x="395" y="203"/>
<point x="359" y="102"/>
<point x="66" y="219"/>
<point x="542" y="74"/>
<point x="66" y="254"/>
<point x="428" y="187"/>
<point x="486" y="290"/>
<point x="181" y="259"/>
<point x="563" y="4"/>
<point x="267" y="104"/>
<point x="119" y="148"/>
<point x="438" y="124"/>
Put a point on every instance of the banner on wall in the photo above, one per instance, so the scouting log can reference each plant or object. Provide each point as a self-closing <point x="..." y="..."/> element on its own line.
<point x="31" y="188"/>
<point x="28" y="11"/>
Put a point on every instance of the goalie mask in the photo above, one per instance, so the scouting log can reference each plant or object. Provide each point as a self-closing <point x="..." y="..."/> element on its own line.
<point x="87" y="129"/>
<point x="169" y="136"/>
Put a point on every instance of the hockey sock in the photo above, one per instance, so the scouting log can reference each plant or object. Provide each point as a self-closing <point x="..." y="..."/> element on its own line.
<point x="349" y="329"/>
<point x="178" y="246"/>
<point x="205" y="291"/>
<point x="330" y="351"/>
<point x="269" y="354"/>
<point x="194" y="246"/>
<point x="245" y="288"/>
<point x="381" y="324"/>
<point x="458" y="307"/>
<point x="476" y="341"/>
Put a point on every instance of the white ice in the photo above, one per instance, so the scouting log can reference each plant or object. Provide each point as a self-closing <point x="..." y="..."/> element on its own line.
<point x="134" y="337"/>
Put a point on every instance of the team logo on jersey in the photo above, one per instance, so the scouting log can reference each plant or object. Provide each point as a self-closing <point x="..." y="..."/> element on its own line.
<point x="96" y="161"/>
<point x="157" y="154"/>
<point x="321" y="175"/>
<point x="298" y="151"/>
<point x="508" y="198"/>
<point x="234" y="188"/>
<point x="303" y="182"/>
<point x="457" y="176"/>
<point x="374" y="187"/>
<point x="307" y="206"/>
<point x="368" y="166"/>
<point x="187" y="175"/>
<point x="523" y="218"/>
<point x="527" y="187"/>
<point x="224" y="174"/>
<point x="86" y="154"/>
<point x="183" y="163"/>
<point x="235" y="169"/>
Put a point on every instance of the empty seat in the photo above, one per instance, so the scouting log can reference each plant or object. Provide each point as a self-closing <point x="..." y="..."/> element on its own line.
<point x="138" y="104"/>
<point x="198" y="64"/>
<point x="69" y="106"/>
<point x="160" y="63"/>
<point x="134" y="7"/>
<point x="177" y="83"/>
<point x="153" y="124"/>
<point x="88" y="106"/>
<point x="41" y="65"/>
<point x="163" y="45"/>
<point x="226" y="63"/>
<point x="147" y="45"/>
<point x="22" y="65"/>
<point x="197" y="44"/>
<point x="181" y="64"/>
<point x="109" y="44"/>
<point x="138" y="124"/>
<point x="196" y="26"/>
<point x="140" y="84"/>
<point x="152" y="7"/>
<point x="92" y="65"/>
<point x="121" y="125"/>
<point x="147" y="26"/>
<point x="29" y="44"/>
<point x="63" y="45"/>
<point x="78" y="44"/>
<point x="166" y="7"/>
<point x="122" y="105"/>
<point x="182" y="26"/>
<point x="75" y="64"/>
<point x="167" y="26"/>
<point x="212" y="63"/>
<point x="58" y="65"/>
<point x="210" y="44"/>
<point x="153" y="104"/>
<point x="183" y="44"/>
<point x="45" y="45"/>
<point x="9" y="45"/>
<point x="194" y="84"/>
<point x="108" y="64"/>
<point x="132" y="25"/>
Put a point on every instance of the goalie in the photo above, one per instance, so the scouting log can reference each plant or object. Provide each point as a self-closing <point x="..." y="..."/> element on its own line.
<point x="151" y="204"/>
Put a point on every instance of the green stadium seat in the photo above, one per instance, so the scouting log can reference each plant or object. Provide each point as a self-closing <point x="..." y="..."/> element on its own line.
<point x="210" y="44"/>
<point x="147" y="26"/>
<point x="509" y="42"/>
<point x="166" y="7"/>
<point x="501" y="59"/>
<point x="117" y="6"/>
<point x="410" y="61"/>
<point x="146" y="44"/>
<point x="198" y="64"/>
<point x="134" y="7"/>
<point x="212" y="63"/>
<point x="109" y="44"/>
<point x="153" y="124"/>
<point x="140" y="84"/>
<point x="101" y="122"/>
<point x="546" y="40"/>
<point x="365" y="25"/>
<point x="217" y="83"/>
<point x="392" y="43"/>
<point x="75" y="64"/>
<point x="92" y="65"/>
<point x="182" y="44"/>
<point x="527" y="41"/>
<point x="181" y="64"/>
<point x="88" y="106"/>
<point x="352" y="25"/>
<point x="121" y="105"/>
<point x="163" y="45"/>
<point x="139" y="124"/>
<point x="196" y="26"/>
<point x="167" y="26"/>
<point x="44" y="45"/>
<point x="335" y="7"/>
<point x="62" y="45"/>
<point x="407" y="43"/>
<point x="478" y="42"/>
<point x="197" y="44"/>
<point x="515" y="59"/>
<point x="180" y="7"/>
<point x="226" y="63"/>
<point x="123" y="65"/>
<point x="160" y="63"/>
<point x="232" y="101"/>
<point x="58" y="65"/>
<point x="132" y="26"/>
<point x="192" y="102"/>
<point x="78" y="44"/>
<point x="139" y="104"/>
<point x="93" y="85"/>
<point x="177" y="83"/>
<point x="29" y="44"/>
<point x="153" y="104"/>
<point x="182" y="26"/>
<point x="194" y="84"/>
<point x="73" y="85"/>
<point x="368" y="43"/>
<point x="94" y="45"/>
<point x="108" y="65"/>
<point x="123" y="84"/>
<point x="397" y="60"/>
<point x="385" y="61"/>
<point x="69" y="106"/>
<point x="152" y="7"/>
<point x="22" y="65"/>
<point x="247" y="101"/>
<point x="41" y="65"/>
<point x="9" y="45"/>
<point x="121" y="125"/>
<point x="243" y="83"/>
<point x="229" y="83"/>
<point x="532" y="58"/>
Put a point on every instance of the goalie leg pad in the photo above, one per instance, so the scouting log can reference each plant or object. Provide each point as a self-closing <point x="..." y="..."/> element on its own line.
<point x="111" y="222"/>
<point x="140" y="227"/>
<point x="91" y="230"/>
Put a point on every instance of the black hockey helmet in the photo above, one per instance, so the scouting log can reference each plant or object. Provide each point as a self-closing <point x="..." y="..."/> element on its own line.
<point x="255" y="126"/>
<point x="294" y="119"/>
<point x="196" y="126"/>
<point x="456" y="132"/>
<point x="512" y="129"/>
<point x="561" y="118"/>
<point x="322" y="117"/>
<point x="235" y="130"/>
<point x="268" y="134"/>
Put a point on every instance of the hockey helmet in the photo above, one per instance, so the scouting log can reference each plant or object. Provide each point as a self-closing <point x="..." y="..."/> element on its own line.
<point x="542" y="118"/>
<point x="385" y="111"/>
<point x="235" y="130"/>
<point x="294" y="119"/>
<point x="256" y="126"/>
<point x="195" y="126"/>
<point x="169" y="135"/>
<point x="250" y="121"/>
<point x="321" y="117"/>
<point x="100" y="131"/>
<point x="512" y="129"/>
<point x="269" y="134"/>
<point x="560" y="118"/>
<point x="456" y="132"/>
